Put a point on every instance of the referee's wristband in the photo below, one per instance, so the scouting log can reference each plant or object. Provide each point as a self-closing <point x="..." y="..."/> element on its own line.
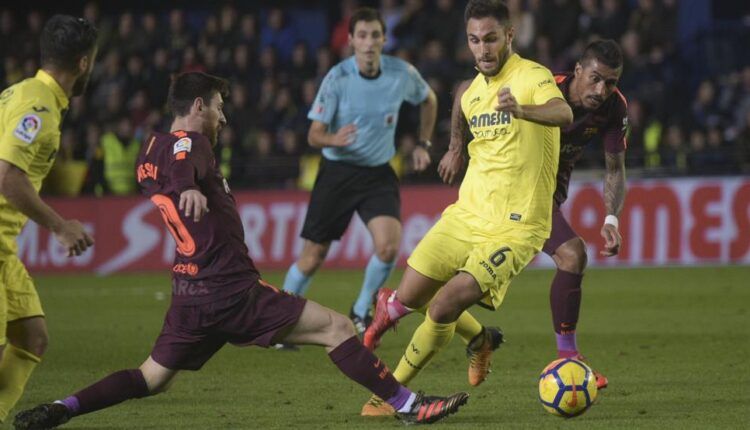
<point x="612" y="220"/>
<point x="426" y="144"/>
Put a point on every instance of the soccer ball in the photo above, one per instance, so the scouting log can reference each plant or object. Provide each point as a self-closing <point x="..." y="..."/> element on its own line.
<point x="567" y="387"/>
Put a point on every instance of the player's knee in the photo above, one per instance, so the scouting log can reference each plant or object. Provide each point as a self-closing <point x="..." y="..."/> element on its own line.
<point x="572" y="256"/>
<point x="310" y="261"/>
<point x="156" y="384"/>
<point x="34" y="342"/>
<point x="443" y="312"/>
<point x="340" y="329"/>
<point x="387" y="252"/>
<point x="38" y="344"/>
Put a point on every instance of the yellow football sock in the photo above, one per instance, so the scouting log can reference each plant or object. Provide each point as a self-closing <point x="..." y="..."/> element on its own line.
<point x="15" y="368"/>
<point x="466" y="326"/>
<point x="429" y="338"/>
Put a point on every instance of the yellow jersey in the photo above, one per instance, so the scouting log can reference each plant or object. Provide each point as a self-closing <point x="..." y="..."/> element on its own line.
<point x="30" y="115"/>
<point x="513" y="163"/>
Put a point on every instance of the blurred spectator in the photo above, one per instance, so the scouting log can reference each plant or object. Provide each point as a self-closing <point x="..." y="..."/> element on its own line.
<point x="523" y="23"/>
<point x="743" y="145"/>
<point x="412" y="25"/>
<point x="673" y="151"/>
<point x="435" y="63"/>
<point x="125" y="40"/>
<point x="446" y="26"/>
<point x="9" y="37"/>
<point x="301" y="68"/>
<point x="248" y="33"/>
<point x="698" y="157"/>
<point x="278" y="34"/>
<point x="647" y="20"/>
<point x="340" y="33"/>
<point x="612" y="21"/>
<point x="390" y="10"/>
<point x="179" y="36"/>
<point x="119" y="152"/>
<point x="158" y="78"/>
<point x="148" y="35"/>
<point x="705" y="108"/>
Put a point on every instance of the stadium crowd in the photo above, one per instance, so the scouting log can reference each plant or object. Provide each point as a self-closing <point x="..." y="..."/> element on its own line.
<point x="687" y="83"/>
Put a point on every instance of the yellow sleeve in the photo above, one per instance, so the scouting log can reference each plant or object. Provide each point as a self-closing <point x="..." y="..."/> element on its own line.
<point x="24" y="133"/>
<point x="543" y="86"/>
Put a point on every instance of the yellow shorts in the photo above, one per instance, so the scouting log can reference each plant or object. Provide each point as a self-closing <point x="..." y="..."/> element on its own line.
<point x="18" y="297"/>
<point x="462" y="242"/>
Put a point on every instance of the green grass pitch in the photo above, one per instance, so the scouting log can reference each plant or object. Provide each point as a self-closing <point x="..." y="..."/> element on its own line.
<point x="674" y="342"/>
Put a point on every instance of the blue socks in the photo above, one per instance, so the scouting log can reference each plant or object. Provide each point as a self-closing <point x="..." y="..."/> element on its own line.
<point x="296" y="282"/>
<point x="376" y="274"/>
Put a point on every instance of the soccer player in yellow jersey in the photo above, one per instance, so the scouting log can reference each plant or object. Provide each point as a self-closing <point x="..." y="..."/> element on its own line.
<point x="30" y="116"/>
<point x="511" y="112"/>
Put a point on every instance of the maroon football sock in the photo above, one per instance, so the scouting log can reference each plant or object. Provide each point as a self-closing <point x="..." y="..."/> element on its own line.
<point x="114" y="389"/>
<point x="363" y="367"/>
<point x="565" y="300"/>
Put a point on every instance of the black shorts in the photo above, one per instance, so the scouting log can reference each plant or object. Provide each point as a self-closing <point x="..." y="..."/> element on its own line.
<point x="340" y="190"/>
<point x="192" y="334"/>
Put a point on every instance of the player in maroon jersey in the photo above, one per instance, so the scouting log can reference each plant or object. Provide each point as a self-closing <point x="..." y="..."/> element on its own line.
<point x="599" y="114"/>
<point x="217" y="295"/>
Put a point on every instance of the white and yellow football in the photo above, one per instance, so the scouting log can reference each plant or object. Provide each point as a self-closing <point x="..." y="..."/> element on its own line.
<point x="567" y="387"/>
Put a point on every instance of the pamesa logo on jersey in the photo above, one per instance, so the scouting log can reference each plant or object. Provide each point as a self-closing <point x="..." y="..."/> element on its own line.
<point x="490" y="119"/>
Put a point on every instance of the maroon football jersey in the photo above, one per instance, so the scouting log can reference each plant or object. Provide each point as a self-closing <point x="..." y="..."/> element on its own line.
<point x="607" y="123"/>
<point x="212" y="259"/>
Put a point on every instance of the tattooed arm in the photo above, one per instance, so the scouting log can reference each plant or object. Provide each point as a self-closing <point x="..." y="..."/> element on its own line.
<point x="453" y="160"/>
<point x="614" y="199"/>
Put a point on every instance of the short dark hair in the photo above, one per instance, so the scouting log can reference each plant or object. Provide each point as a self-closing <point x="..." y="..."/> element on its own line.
<point x="186" y="87"/>
<point x="365" y="14"/>
<point x="605" y="51"/>
<point x="65" y="39"/>
<point x="478" y="9"/>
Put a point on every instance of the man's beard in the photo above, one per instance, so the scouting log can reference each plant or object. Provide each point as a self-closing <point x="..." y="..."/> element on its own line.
<point x="213" y="135"/>
<point x="502" y="57"/>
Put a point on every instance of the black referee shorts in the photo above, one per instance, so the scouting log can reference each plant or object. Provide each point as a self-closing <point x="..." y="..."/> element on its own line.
<point x="340" y="190"/>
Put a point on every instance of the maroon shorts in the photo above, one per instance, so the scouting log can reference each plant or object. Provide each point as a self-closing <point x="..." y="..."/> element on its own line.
<point x="192" y="334"/>
<point x="561" y="232"/>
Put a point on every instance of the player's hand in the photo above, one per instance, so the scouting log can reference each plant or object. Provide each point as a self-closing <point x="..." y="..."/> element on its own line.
<point x="73" y="237"/>
<point x="345" y="136"/>
<point x="506" y="102"/>
<point x="450" y="166"/>
<point x="194" y="204"/>
<point x="612" y="240"/>
<point x="420" y="159"/>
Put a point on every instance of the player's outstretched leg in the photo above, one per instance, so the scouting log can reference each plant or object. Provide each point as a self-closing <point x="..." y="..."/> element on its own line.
<point x="565" y="299"/>
<point x="150" y="379"/>
<point x="321" y="326"/>
<point x="388" y="310"/>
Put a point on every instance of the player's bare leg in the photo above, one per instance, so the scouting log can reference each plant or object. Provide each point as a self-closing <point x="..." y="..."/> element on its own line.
<point x="321" y="326"/>
<point x="565" y="298"/>
<point x="386" y="238"/>
<point x="300" y="274"/>
<point x="150" y="379"/>
<point x="26" y="343"/>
